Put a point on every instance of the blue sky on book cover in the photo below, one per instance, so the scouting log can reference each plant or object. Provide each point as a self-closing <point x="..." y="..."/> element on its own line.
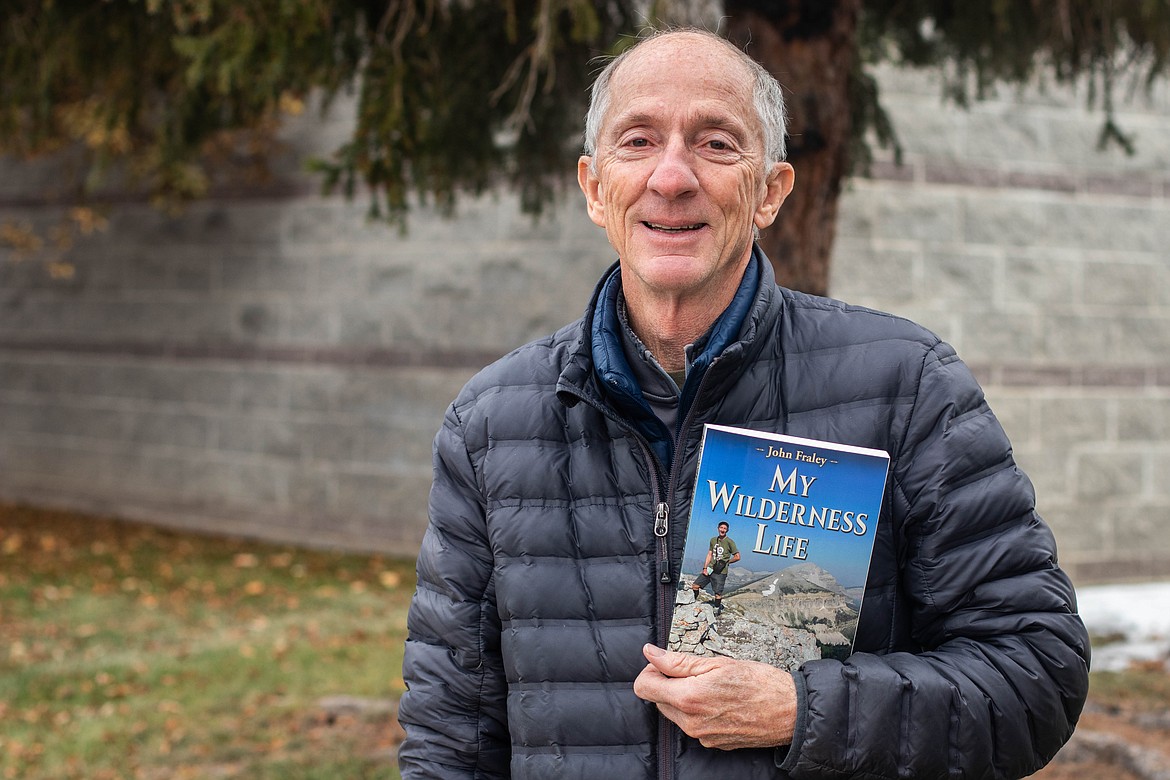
<point x="832" y="481"/>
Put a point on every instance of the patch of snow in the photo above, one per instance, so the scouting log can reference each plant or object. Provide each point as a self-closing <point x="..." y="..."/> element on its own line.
<point x="1137" y="615"/>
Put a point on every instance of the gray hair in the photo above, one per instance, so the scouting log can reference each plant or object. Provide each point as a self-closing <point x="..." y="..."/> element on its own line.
<point x="767" y="96"/>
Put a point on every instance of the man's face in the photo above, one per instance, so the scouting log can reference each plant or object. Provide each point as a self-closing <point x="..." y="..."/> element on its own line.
<point x="681" y="177"/>
<point x="722" y="531"/>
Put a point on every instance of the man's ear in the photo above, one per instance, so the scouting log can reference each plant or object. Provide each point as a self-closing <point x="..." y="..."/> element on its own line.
<point x="777" y="185"/>
<point x="591" y="186"/>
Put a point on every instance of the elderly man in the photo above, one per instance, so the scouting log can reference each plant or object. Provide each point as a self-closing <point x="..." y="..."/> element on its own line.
<point x="563" y="479"/>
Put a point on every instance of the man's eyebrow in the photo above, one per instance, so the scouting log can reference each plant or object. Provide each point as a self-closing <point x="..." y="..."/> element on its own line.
<point x="623" y="121"/>
<point x="728" y="122"/>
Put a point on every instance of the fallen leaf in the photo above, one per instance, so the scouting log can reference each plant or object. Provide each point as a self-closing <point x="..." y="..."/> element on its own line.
<point x="245" y="561"/>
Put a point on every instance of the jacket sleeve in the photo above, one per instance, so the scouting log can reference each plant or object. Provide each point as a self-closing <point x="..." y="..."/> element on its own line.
<point x="454" y="710"/>
<point x="1000" y="673"/>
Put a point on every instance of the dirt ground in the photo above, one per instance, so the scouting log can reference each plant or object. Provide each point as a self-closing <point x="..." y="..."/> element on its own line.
<point x="1115" y="742"/>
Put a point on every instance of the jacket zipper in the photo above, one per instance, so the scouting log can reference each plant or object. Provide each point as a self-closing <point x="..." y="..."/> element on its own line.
<point x="666" y="727"/>
<point x="666" y="583"/>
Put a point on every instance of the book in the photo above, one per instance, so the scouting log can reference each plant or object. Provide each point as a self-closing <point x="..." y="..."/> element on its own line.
<point x="802" y="515"/>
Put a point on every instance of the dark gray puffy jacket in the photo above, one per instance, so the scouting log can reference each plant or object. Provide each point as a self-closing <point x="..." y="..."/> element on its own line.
<point x="540" y="573"/>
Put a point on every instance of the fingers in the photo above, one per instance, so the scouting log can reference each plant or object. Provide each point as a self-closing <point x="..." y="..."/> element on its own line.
<point x="747" y="704"/>
<point x="672" y="664"/>
<point x="675" y="680"/>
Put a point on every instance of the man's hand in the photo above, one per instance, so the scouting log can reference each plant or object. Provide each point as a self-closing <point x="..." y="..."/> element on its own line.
<point x="721" y="702"/>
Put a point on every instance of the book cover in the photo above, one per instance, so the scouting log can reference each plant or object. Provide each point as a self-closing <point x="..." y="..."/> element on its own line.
<point x="801" y="518"/>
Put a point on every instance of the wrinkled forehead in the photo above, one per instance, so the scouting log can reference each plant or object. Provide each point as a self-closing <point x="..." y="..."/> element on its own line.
<point x="683" y="52"/>
<point x="682" y="67"/>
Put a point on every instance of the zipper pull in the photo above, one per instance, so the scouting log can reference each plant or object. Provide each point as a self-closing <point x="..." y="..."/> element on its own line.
<point x="661" y="524"/>
<point x="660" y="519"/>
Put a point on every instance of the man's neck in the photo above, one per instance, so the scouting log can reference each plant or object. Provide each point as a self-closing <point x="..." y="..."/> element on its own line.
<point x="667" y="325"/>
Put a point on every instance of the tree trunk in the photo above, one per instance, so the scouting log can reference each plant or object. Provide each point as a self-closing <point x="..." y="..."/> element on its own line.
<point x="810" y="46"/>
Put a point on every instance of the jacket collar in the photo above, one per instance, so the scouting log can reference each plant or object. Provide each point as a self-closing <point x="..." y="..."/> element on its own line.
<point x="598" y="368"/>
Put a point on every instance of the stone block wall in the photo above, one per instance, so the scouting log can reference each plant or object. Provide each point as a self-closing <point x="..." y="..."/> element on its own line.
<point x="270" y="363"/>
<point x="1046" y="261"/>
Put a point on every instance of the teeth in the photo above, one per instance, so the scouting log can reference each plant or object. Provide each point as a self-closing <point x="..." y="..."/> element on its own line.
<point x="670" y="229"/>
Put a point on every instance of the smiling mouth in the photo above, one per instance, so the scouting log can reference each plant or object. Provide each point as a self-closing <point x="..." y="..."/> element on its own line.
<point x="674" y="228"/>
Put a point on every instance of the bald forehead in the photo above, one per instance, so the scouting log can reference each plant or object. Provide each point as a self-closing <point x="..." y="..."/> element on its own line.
<point x="684" y="47"/>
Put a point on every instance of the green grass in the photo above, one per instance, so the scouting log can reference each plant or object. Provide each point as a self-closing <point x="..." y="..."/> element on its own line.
<point x="133" y="652"/>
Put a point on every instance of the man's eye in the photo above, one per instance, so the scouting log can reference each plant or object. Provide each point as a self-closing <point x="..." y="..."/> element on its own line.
<point x="719" y="146"/>
<point x="639" y="143"/>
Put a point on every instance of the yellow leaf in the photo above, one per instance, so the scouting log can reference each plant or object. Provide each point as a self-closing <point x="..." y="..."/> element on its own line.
<point x="13" y="543"/>
<point x="291" y="104"/>
<point x="62" y="271"/>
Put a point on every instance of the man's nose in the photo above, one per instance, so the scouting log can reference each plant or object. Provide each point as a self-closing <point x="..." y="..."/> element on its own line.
<point x="674" y="174"/>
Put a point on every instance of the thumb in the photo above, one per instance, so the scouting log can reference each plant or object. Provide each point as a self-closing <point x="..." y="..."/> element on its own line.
<point x="672" y="664"/>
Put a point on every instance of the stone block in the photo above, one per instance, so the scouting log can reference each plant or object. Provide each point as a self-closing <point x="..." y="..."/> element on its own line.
<point x="312" y="323"/>
<point x="1107" y="224"/>
<point x="1002" y="218"/>
<point x="41" y="459"/>
<point x="1075" y="423"/>
<point x="256" y="321"/>
<point x="154" y="319"/>
<point x="1050" y="474"/>
<point x="236" y="271"/>
<point x="337" y="440"/>
<point x="23" y="374"/>
<point x="239" y="483"/>
<point x="194" y="385"/>
<point x="395" y="501"/>
<point x="322" y="222"/>
<point x="340" y="274"/>
<point x="925" y="214"/>
<point x="1160" y="467"/>
<point x="56" y="420"/>
<point x="1041" y="279"/>
<point x="281" y="273"/>
<point x="208" y="223"/>
<point x="311" y="492"/>
<point x="274" y="436"/>
<point x="1080" y="531"/>
<point x="927" y="126"/>
<point x="194" y="269"/>
<point x="965" y="278"/>
<point x="360" y="323"/>
<point x="248" y="389"/>
<point x="1141" y="338"/>
<point x="1139" y="533"/>
<point x="990" y="336"/>
<point x="1144" y="420"/>
<point x="146" y="268"/>
<point x="475" y="220"/>
<point x="167" y="429"/>
<point x="403" y="441"/>
<point x="855" y="210"/>
<point x="314" y="390"/>
<point x="1018" y="414"/>
<point x="1078" y="338"/>
<point x="878" y="277"/>
<point x="1109" y="475"/>
<point x="1001" y="132"/>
